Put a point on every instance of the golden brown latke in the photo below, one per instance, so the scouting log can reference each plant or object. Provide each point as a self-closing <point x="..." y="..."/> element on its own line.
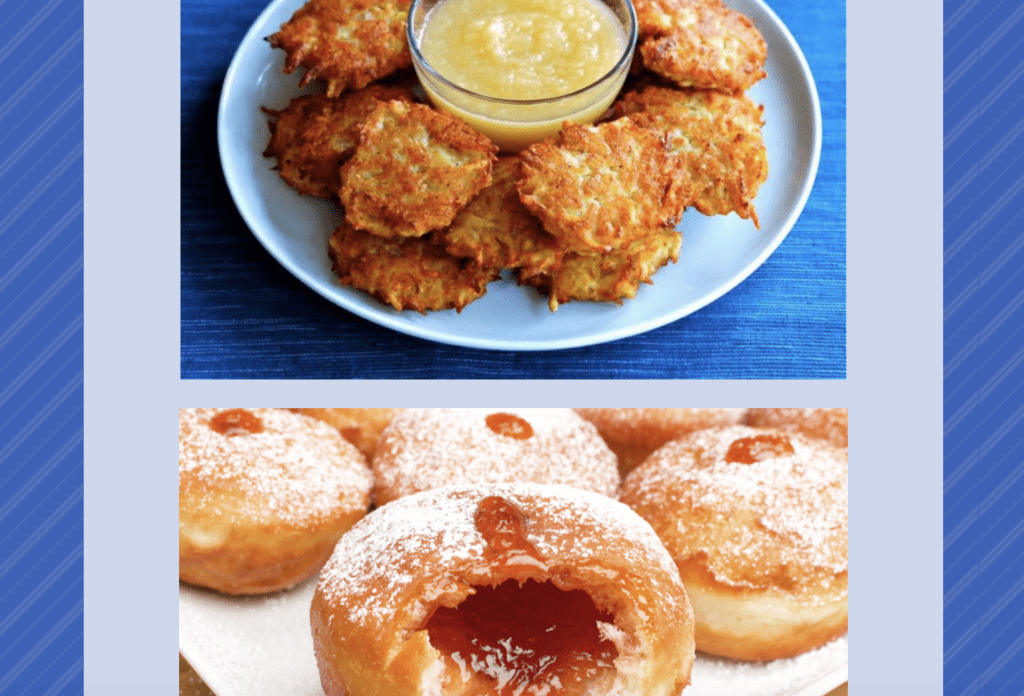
<point x="715" y="139"/>
<point x="599" y="188"/>
<point x="413" y="169"/>
<point x="406" y="273"/>
<point x="609" y="277"/>
<point x="347" y="43"/>
<point x="700" y="43"/>
<point x="496" y="229"/>
<point x="315" y="134"/>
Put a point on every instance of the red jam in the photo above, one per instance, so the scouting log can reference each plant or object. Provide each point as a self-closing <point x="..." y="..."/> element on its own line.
<point x="510" y="426"/>
<point x="503" y="527"/>
<point x="758" y="448"/>
<point x="235" y="422"/>
<point x="514" y="637"/>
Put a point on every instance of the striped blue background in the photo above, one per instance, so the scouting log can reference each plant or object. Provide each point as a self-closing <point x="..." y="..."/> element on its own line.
<point x="41" y="337"/>
<point x="984" y="347"/>
<point x="41" y="341"/>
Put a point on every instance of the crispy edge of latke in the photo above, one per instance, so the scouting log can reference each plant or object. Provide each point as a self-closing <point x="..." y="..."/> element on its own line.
<point x="610" y="213"/>
<point x="406" y="273"/>
<point x="731" y="139"/>
<point x="496" y="229"/>
<point x="381" y="48"/>
<point x="684" y="41"/>
<point x="311" y="166"/>
<point x="612" y="277"/>
<point x="369" y="182"/>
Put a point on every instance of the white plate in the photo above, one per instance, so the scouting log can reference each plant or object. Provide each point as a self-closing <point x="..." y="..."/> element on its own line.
<point x="717" y="254"/>
<point x="262" y="646"/>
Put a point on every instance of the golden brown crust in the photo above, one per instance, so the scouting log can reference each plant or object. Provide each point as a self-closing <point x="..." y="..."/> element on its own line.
<point x="389" y="574"/>
<point x="360" y="426"/>
<point x="598" y="188"/>
<point x="634" y="433"/>
<point x="261" y="511"/>
<point x="315" y="134"/>
<point x="406" y="273"/>
<point x="347" y="43"/>
<point x="609" y="277"/>
<point x="823" y="423"/>
<point x="714" y="140"/>
<point x="413" y="169"/>
<point x="700" y="43"/>
<point x="496" y="229"/>
<point x="427" y="448"/>
<point x="756" y="521"/>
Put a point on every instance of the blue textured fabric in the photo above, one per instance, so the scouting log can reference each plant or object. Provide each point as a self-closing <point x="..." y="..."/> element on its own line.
<point x="244" y="316"/>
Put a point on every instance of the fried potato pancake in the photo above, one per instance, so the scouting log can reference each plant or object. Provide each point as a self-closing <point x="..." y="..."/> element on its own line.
<point x="413" y="170"/>
<point x="609" y="277"/>
<point x="406" y="273"/>
<point x="315" y="134"/>
<point x="700" y="43"/>
<point x="347" y="43"/>
<point x="715" y="140"/>
<point x="496" y="229"/>
<point x="599" y="188"/>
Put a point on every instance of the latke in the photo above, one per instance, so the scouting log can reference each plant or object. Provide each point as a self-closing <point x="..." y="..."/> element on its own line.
<point x="347" y="43"/>
<point x="411" y="273"/>
<point x="413" y="169"/>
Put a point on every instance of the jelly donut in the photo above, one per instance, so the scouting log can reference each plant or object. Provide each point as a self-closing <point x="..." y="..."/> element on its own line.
<point x="756" y="521"/>
<point x="360" y="426"/>
<point x="427" y="448"/>
<point x="502" y="589"/>
<point x="263" y="496"/>
<point x="821" y="423"/>
<point x="633" y="433"/>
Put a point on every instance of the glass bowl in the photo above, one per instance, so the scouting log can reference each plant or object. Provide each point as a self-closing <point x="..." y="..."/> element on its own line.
<point x="513" y="124"/>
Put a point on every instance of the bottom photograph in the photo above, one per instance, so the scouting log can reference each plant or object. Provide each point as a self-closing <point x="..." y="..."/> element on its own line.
<point x="513" y="552"/>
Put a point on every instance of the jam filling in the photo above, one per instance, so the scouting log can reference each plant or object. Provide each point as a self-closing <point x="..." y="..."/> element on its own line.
<point x="758" y="448"/>
<point x="503" y="527"/>
<point x="236" y="421"/>
<point x="529" y="639"/>
<point x="510" y="426"/>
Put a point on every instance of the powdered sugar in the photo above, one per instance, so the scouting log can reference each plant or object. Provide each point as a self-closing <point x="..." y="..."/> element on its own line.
<point x="790" y="508"/>
<point x="296" y="468"/>
<point x="427" y="448"/>
<point x="377" y="562"/>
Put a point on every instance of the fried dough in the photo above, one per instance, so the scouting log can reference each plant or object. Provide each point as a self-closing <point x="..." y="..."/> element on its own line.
<point x="609" y="277"/>
<point x="715" y="141"/>
<point x="599" y="188"/>
<point x="700" y="43"/>
<point x="413" y="170"/>
<point x="496" y="229"/>
<point x="347" y="43"/>
<point x="315" y="134"/>
<point x="411" y="273"/>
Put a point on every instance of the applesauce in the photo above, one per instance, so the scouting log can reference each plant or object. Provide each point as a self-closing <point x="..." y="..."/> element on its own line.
<point x="516" y="69"/>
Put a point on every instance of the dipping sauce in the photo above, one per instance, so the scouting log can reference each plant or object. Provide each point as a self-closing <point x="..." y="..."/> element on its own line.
<point x="515" y="69"/>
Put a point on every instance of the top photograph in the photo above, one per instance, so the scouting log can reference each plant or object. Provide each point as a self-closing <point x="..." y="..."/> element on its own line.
<point x="513" y="189"/>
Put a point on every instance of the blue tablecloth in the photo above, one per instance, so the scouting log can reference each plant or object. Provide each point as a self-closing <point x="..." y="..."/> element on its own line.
<point x="244" y="316"/>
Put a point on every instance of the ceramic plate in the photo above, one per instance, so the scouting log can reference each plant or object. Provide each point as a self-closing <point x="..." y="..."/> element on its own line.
<point x="718" y="252"/>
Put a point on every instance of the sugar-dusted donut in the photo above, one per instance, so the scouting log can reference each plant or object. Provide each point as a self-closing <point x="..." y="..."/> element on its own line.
<point x="360" y="426"/>
<point x="426" y="448"/>
<point x="756" y="521"/>
<point x="822" y="423"/>
<point x="502" y="589"/>
<point x="263" y="495"/>
<point x="633" y="433"/>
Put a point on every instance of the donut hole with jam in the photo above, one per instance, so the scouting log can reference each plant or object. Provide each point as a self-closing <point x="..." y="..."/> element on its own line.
<point x="524" y="631"/>
<point x="531" y="637"/>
